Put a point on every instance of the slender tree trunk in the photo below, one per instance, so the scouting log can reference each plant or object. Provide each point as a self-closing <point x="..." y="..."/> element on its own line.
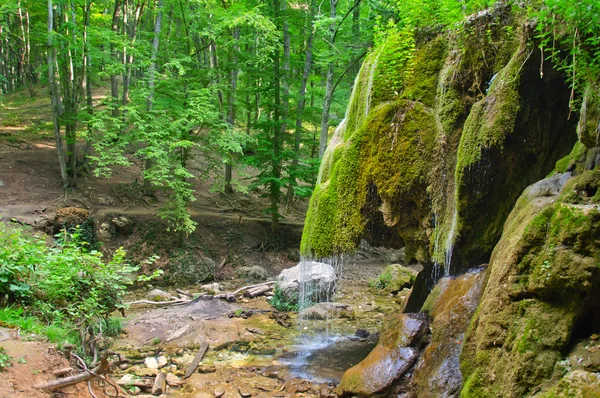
<point x="302" y="99"/>
<point x="87" y="79"/>
<point x="53" y="98"/>
<point x="329" y="83"/>
<point x="152" y="77"/>
<point x="114" y="83"/>
<point x="231" y="105"/>
<point x="274" y="191"/>
<point x="356" y="31"/>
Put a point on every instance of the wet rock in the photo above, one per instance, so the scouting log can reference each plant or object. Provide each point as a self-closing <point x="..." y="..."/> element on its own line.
<point x="254" y="272"/>
<point x="326" y="310"/>
<point x="550" y="186"/>
<point x="319" y="278"/>
<point x="158" y="295"/>
<point x="362" y="333"/>
<point x="451" y="305"/>
<point x="397" y="350"/>
<point x="219" y="392"/>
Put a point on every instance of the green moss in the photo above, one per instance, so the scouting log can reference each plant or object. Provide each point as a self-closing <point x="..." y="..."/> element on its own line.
<point x="576" y="156"/>
<point x="493" y="118"/>
<point x="427" y="63"/>
<point x="390" y="152"/>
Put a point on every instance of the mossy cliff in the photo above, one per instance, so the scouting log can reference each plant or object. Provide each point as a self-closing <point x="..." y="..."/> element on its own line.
<point x="541" y="294"/>
<point x="438" y="142"/>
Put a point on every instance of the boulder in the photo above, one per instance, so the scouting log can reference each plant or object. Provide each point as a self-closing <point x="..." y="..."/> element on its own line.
<point x="123" y="225"/>
<point x="395" y="354"/>
<point x="319" y="281"/>
<point x="254" y="272"/>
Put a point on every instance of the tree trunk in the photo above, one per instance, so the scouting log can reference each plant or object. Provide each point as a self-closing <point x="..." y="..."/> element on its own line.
<point x="152" y="78"/>
<point x="329" y="83"/>
<point x="231" y="105"/>
<point x="302" y="100"/>
<point x="54" y="96"/>
<point x="114" y="83"/>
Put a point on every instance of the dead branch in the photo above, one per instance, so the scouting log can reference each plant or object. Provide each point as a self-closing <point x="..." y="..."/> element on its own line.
<point x="102" y="368"/>
<point x="171" y="302"/>
<point x="241" y="289"/>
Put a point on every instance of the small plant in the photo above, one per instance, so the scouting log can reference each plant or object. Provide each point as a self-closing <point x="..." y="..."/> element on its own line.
<point x="156" y="341"/>
<point x="283" y="303"/>
<point x="381" y="282"/>
<point x="5" y="359"/>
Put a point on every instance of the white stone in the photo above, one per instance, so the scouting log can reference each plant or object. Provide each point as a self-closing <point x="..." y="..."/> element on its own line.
<point x="151" y="363"/>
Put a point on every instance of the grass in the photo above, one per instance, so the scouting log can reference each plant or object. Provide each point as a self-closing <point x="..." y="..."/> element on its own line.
<point x="15" y="317"/>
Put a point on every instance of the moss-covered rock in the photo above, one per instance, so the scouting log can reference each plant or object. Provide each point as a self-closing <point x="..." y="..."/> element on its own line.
<point x="394" y="278"/>
<point x="544" y="273"/>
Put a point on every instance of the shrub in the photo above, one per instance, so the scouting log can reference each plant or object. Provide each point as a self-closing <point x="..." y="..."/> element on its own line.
<point x="5" y="359"/>
<point x="283" y="303"/>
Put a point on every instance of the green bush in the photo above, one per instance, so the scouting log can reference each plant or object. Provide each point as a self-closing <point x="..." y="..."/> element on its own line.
<point x="283" y="303"/>
<point x="66" y="286"/>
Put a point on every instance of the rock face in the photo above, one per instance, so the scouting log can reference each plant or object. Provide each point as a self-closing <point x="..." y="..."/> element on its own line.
<point x="394" y="355"/>
<point x="450" y="305"/>
<point x="319" y="281"/>
<point x="542" y="292"/>
<point x="436" y="160"/>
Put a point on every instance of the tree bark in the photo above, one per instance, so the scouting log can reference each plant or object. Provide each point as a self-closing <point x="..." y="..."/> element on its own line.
<point x="302" y="99"/>
<point x="329" y="83"/>
<point x="114" y="83"/>
<point x="53" y="98"/>
<point x="231" y="105"/>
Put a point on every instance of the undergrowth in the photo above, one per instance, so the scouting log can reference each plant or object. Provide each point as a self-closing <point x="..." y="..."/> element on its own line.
<point x="66" y="293"/>
<point x="5" y="359"/>
<point x="281" y="302"/>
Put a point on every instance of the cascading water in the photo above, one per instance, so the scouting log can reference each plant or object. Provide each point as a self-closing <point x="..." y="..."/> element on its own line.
<point x="316" y="336"/>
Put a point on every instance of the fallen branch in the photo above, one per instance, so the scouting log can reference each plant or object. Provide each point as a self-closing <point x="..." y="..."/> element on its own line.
<point x="171" y="302"/>
<point x="241" y="289"/>
<point x="192" y="368"/>
<point x="102" y="368"/>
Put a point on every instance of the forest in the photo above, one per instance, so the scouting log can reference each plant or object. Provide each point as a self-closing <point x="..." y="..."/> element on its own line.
<point x="398" y="140"/>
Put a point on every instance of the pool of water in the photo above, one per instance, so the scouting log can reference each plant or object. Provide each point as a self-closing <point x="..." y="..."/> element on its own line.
<point x="324" y="359"/>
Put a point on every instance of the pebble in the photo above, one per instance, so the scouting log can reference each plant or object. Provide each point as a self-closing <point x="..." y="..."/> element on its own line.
<point x="219" y="392"/>
<point x="173" y="380"/>
<point x="244" y="393"/>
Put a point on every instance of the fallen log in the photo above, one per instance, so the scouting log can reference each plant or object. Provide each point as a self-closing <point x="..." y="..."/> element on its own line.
<point x="160" y="384"/>
<point x="258" y="291"/>
<point x="62" y="372"/>
<point x="241" y="289"/>
<point x="199" y="355"/>
<point x="171" y="302"/>
<point x="54" y="385"/>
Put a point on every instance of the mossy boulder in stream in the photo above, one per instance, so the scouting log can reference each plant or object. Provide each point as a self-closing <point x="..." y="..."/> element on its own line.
<point x="542" y="291"/>
<point x="395" y="353"/>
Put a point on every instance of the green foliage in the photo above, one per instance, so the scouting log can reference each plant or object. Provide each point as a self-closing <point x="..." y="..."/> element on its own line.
<point x="5" y="359"/>
<point x="64" y="285"/>
<point x="283" y="303"/>
<point x="381" y="282"/>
